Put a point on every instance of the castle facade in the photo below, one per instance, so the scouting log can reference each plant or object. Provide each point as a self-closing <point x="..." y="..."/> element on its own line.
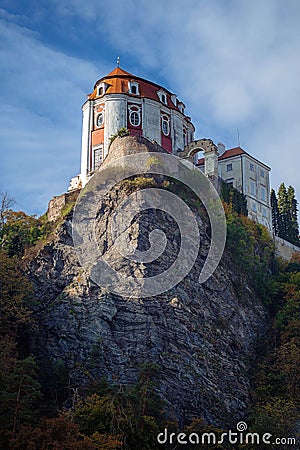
<point x="122" y="100"/>
<point x="248" y="175"/>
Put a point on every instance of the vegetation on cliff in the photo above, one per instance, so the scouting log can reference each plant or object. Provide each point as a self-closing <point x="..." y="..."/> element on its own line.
<point x="115" y="416"/>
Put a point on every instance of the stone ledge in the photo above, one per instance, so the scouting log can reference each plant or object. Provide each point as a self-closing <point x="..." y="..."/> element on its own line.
<point x="285" y="249"/>
<point x="58" y="202"/>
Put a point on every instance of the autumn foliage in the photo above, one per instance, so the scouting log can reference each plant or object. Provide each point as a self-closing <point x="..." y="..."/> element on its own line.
<point x="116" y="417"/>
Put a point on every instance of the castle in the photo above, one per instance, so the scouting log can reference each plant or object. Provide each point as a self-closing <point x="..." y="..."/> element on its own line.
<point x="122" y="100"/>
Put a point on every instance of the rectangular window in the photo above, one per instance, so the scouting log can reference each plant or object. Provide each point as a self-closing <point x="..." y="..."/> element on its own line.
<point x="262" y="173"/>
<point x="229" y="167"/>
<point x="97" y="157"/>
<point x="264" y="212"/>
<point x="252" y="187"/>
<point x="253" y="207"/>
<point x="230" y="182"/>
<point x="102" y="88"/>
<point x="263" y="193"/>
<point x="133" y="88"/>
<point x="252" y="168"/>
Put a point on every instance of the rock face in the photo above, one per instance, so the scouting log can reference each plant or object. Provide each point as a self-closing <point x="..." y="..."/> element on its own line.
<point x="201" y="336"/>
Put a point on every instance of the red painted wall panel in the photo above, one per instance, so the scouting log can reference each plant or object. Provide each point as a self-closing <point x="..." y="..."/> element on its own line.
<point x="166" y="143"/>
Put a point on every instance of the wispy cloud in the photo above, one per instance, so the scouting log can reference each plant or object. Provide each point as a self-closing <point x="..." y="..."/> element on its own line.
<point x="40" y="116"/>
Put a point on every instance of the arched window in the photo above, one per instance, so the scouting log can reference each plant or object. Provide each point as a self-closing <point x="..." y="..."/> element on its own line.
<point x="135" y="116"/>
<point x="162" y="96"/>
<point x="165" y="125"/>
<point x="133" y="88"/>
<point x="101" y="89"/>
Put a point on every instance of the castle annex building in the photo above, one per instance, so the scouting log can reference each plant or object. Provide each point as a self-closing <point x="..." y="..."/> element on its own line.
<point x="245" y="173"/>
<point x="122" y="100"/>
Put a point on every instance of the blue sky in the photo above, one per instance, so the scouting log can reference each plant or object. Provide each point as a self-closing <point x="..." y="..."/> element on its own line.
<point x="234" y="63"/>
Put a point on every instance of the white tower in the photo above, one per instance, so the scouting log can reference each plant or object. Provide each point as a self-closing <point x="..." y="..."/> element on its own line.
<point x="122" y="100"/>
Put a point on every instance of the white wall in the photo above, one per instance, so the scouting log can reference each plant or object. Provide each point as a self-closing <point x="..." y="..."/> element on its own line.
<point x="235" y="173"/>
<point x="151" y="120"/>
<point x="115" y="118"/>
<point x="87" y="118"/>
<point x="242" y="177"/>
<point x="177" y="132"/>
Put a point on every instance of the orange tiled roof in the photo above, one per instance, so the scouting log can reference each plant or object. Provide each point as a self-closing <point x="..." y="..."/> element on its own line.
<point x="118" y="71"/>
<point x="117" y="82"/>
<point x="231" y="152"/>
<point x="236" y="151"/>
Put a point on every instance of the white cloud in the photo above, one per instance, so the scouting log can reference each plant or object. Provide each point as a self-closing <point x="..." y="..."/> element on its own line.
<point x="40" y="117"/>
<point x="235" y="64"/>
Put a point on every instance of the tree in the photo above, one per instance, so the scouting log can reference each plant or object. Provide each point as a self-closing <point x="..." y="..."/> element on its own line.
<point x="275" y="213"/>
<point x="15" y="291"/>
<point x="18" y="232"/>
<point x="19" y="393"/>
<point x="277" y="415"/>
<point x="128" y="415"/>
<point x="57" y="434"/>
<point x="284" y="214"/>
<point x="19" y="388"/>
<point x="5" y="204"/>
<point x="293" y="217"/>
<point x="288" y="360"/>
<point x="283" y="208"/>
<point x="235" y="198"/>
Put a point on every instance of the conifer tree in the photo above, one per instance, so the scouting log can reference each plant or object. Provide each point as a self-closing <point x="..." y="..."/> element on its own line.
<point x="293" y="222"/>
<point x="284" y="214"/>
<point x="275" y="213"/>
<point x="283" y="208"/>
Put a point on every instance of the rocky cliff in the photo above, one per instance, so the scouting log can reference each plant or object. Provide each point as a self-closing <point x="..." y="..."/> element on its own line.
<point x="201" y="336"/>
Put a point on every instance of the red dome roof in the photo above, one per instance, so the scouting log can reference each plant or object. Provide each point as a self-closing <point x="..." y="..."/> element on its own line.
<point x="117" y="83"/>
